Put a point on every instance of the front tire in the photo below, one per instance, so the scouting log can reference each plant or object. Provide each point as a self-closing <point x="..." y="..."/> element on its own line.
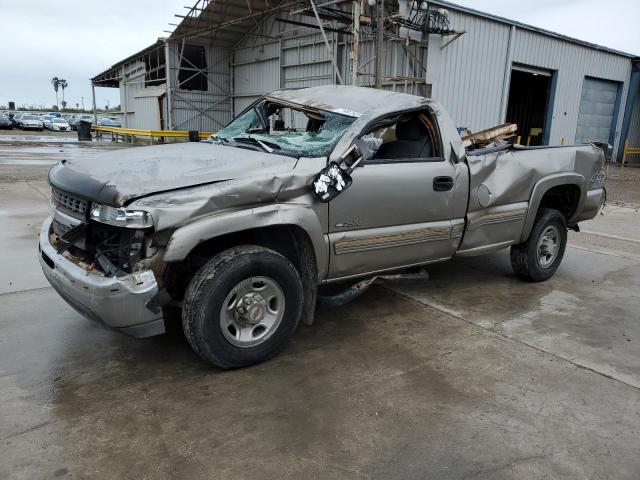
<point x="242" y="307"/>
<point x="539" y="257"/>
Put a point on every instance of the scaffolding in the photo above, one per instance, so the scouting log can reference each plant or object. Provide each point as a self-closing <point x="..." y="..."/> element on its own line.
<point x="223" y="54"/>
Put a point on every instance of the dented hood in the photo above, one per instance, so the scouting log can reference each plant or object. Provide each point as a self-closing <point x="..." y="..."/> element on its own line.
<point x="116" y="177"/>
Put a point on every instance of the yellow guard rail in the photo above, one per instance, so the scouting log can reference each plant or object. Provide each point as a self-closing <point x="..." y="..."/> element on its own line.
<point x="629" y="151"/>
<point x="130" y="134"/>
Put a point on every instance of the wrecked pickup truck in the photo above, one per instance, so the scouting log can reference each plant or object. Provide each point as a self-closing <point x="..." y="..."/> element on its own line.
<point x="306" y="191"/>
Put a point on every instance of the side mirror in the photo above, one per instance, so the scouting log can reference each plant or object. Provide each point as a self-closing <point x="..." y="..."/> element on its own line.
<point x="335" y="178"/>
<point x="331" y="182"/>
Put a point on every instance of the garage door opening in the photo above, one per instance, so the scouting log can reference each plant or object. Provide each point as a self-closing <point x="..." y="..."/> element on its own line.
<point x="528" y="105"/>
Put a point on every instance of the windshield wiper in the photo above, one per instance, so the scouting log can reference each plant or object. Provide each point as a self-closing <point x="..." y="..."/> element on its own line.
<point x="218" y="139"/>
<point x="266" y="146"/>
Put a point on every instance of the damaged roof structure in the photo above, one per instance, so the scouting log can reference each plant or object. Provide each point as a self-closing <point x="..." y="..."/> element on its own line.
<point x="222" y="55"/>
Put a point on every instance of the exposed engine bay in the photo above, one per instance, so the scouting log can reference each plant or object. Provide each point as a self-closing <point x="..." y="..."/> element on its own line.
<point x="110" y="249"/>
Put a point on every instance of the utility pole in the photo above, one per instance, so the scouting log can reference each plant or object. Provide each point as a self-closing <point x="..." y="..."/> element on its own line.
<point x="82" y="98"/>
<point x="355" y="54"/>
<point x="93" y="95"/>
<point x="379" y="43"/>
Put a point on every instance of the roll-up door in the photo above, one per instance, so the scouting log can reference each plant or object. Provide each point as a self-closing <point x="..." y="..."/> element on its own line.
<point x="598" y="109"/>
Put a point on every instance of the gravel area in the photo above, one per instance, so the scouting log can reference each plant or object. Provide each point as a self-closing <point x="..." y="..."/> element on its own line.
<point x="623" y="186"/>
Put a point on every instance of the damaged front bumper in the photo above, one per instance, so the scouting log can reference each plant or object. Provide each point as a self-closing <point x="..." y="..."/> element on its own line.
<point x="118" y="302"/>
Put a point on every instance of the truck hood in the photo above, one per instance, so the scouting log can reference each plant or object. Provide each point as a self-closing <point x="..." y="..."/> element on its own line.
<point x="116" y="177"/>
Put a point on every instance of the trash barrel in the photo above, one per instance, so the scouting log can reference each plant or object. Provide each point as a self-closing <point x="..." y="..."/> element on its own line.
<point x="84" y="130"/>
<point x="194" y="136"/>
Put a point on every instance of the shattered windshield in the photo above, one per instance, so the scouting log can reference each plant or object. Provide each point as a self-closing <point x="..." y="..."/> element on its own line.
<point x="285" y="129"/>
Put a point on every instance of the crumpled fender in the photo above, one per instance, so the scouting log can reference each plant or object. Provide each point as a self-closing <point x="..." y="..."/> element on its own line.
<point x="542" y="186"/>
<point x="186" y="238"/>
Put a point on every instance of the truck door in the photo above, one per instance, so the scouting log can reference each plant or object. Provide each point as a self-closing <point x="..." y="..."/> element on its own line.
<point x="406" y="205"/>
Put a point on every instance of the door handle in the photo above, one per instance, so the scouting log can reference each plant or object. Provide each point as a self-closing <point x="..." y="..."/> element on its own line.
<point x="442" y="184"/>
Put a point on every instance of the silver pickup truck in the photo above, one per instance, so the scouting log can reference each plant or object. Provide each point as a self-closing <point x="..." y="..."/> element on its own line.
<point x="306" y="193"/>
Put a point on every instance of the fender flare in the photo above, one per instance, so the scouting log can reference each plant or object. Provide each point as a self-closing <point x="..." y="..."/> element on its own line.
<point x="541" y="187"/>
<point x="186" y="238"/>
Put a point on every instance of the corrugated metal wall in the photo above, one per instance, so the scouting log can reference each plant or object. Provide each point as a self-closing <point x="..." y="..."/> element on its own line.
<point x="634" y="129"/>
<point x="471" y="75"/>
<point x="139" y="104"/>
<point x="306" y="61"/>
<point x="200" y="110"/>
<point x="467" y="76"/>
<point x="300" y="58"/>
<point x="256" y="70"/>
<point x="297" y="59"/>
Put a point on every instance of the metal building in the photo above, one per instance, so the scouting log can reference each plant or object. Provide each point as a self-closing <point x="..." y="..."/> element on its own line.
<point x="485" y="69"/>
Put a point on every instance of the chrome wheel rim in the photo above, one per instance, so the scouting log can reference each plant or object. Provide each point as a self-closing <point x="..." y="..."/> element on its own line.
<point x="548" y="246"/>
<point x="252" y="311"/>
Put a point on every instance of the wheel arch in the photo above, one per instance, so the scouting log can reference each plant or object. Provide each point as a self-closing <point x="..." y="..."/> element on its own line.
<point x="183" y="241"/>
<point x="563" y="191"/>
<point x="292" y="230"/>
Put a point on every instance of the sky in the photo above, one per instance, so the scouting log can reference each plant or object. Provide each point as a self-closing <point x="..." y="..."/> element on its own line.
<point x="77" y="39"/>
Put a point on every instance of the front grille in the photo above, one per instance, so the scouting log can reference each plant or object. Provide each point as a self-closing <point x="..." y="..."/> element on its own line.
<point x="69" y="203"/>
<point x="59" y="228"/>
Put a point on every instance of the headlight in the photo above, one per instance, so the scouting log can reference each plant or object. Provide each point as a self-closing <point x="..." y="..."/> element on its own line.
<point x="121" y="217"/>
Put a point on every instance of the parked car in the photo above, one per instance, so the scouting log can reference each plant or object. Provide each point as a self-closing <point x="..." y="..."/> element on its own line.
<point x="55" y="114"/>
<point x="15" y="119"/>
<point x="245" y="231"/>
<point x="29" y="121"/>
<point x="109" y="122"/>
<point x="77" y="118"/>
<point x="59" y="124"/>
<point x="46" y="120"/>
<point x="5" y="122"/>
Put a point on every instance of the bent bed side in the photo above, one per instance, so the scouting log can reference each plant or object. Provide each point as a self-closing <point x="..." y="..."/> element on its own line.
<point x="507" y="187"/>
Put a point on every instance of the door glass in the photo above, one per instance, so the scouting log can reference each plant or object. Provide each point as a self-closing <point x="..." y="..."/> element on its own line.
<point x="407" y="138"/>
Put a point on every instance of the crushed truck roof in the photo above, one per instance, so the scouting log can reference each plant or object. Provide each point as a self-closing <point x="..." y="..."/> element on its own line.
<point x="352" y="101"/>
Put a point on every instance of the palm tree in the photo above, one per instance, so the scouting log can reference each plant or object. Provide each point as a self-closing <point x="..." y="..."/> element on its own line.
<point x="55" y="81"/>
<point x="63" y="84"/>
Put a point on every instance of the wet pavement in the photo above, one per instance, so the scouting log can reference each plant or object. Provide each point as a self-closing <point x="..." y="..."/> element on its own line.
<point x="473" y="374"/>
<point x="48" y="149"/>
<point x="38" y="137"/>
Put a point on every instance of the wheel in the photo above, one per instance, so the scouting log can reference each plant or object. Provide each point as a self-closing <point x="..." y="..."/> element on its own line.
<point x="242" y="307"/>
<point x="539" y="257"/>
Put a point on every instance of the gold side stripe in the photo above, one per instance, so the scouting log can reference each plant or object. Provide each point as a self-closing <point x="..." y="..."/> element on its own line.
<point x="456" y="230"/>
<point x="497" y="217"/>
<point x="350" y="245"/>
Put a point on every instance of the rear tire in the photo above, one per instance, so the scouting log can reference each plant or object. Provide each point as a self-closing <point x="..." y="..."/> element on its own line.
<point x="242" y="307"/>
<point x="539" y="257"/>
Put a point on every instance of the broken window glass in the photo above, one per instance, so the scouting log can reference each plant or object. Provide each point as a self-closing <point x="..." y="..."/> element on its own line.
<point x="288" y="130"/>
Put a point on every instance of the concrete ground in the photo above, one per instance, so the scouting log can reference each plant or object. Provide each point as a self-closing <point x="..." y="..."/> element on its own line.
<point x="473" y="374"/>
